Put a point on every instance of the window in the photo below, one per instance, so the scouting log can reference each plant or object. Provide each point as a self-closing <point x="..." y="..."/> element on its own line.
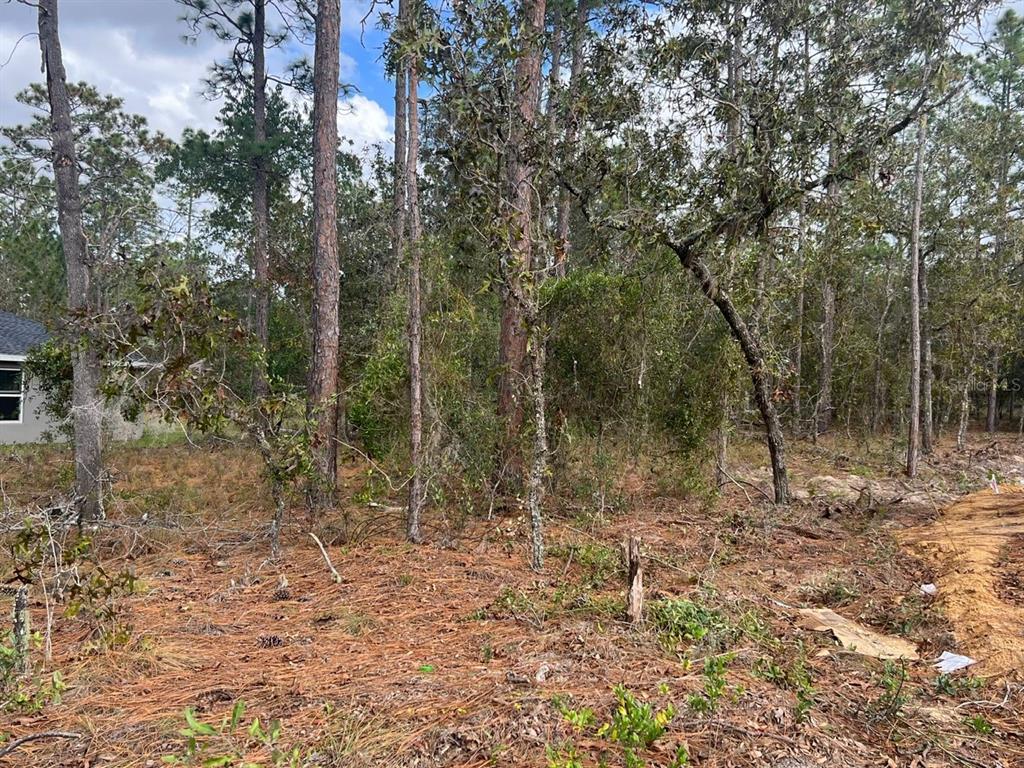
<point x="11" y="394"/>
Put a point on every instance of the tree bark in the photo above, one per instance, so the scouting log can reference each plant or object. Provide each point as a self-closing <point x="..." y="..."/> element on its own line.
<point x="965" y="413"/>
<point x="323" y="380"/>
<point x="751" y="348"/>
<point x="914" y="412"/>
<point x="876" y="390"/>
<point x="635" y="583"/>
<point x="86" y="400"/>
<point x="798" y="341"/>
<point x="538" y="470"/>
<point x="398" y="220"/>
<point x="563" y="243"/>
<point x="416" y="491"/>
<point x="260" y="197"/>
<point x="992" y="414"/>
<point x="823" y="406"/>
<point x="517" y="260"/>
<point x="927" y="366"/>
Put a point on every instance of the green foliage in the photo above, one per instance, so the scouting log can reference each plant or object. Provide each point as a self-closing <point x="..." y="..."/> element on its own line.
<point x="796" y="677"/>
<point x="564" y="756"/>
<point x="94" y="592"/>
<point x="375" y="404"/>
<point x="979" y="725"/>
<point x="948" y="685"/>
<point x="580" y="719"/>
<point x="614" y="354"/>
<point x="679" y="620"/>
<point x="706" y="702"/>
<point x="599" y="562"/>
<point x="48" y="367"/>
<point x="635" y="724"/>
<point x="893" y="681"/>
<point x="25" y="694"/>
<point x="226" y="745"/>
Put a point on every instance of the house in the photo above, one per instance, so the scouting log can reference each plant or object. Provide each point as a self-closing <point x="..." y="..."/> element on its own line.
<point x="22" y="419"/>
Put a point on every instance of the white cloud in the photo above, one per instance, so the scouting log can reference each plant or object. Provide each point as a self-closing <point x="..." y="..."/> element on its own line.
<point x="163" y="83"/>
<point x="364" y="122"/>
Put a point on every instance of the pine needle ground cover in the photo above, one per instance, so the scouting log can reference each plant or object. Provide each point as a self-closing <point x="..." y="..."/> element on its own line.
<point x="457" y="654"/>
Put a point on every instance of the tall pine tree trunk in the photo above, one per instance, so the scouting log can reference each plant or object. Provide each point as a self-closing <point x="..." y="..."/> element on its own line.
<point x="416" y="490"/>
<point x="914" y="412"/>
<point x="927" y="365"/>
<point x="798" y="333"/>
<point x="398" y="213"/>
<point x="563" y="244"/>
<point x="323" y="379"/>
<point x="517" y="259"/>
<point x="823" y="405"/>
<point x="260" y="196"/>
<point x="86" y="400"/>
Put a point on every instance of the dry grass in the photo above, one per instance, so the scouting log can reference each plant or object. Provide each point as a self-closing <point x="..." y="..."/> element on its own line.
<point x="450" y="654"/>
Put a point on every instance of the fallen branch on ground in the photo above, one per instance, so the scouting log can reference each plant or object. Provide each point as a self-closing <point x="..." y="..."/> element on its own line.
<point x="36" y="737"/>
<point x="335" y="576"/>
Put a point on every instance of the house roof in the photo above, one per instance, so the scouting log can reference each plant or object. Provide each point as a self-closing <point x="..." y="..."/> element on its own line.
<point x="19" y="334"/>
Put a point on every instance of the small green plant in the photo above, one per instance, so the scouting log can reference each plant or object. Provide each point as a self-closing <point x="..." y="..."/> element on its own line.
<point x="599" y="562"/>
<point x="893" y="681"/>
<point x="636" y="725"/>
<point x="947" y="685"/>
<point x="681" y="620"/>
<point x="800" y="679"/>
<point x="426" y="669"/>
<point x="564" y="756"/>
<point x="979" y="725"/>
<point x="706" y="702"/>
<point x="25" y="693"/>
<point x="228" y="744"/>
<point x="579" y="719"/>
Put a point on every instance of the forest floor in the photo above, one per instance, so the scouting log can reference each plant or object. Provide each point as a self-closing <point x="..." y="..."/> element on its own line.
<point x="454" y="653"/>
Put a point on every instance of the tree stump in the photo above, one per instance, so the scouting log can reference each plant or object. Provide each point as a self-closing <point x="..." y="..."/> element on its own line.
<point x="635" y="583"/>
<point x="21" y="629"/>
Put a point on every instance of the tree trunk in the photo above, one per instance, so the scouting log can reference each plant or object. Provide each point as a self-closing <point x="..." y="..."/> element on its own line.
<point x="798" y="341"/>
<point x="801" y="297"/>
<point x="398" y="214"/>
<point x="750" y="345"/>
<point x="914" y="412"/>
<point x="876" y="390"/>
<point x="965" y="414"/>
<point x="563" y="244"/>
<point x="992" y="415"/>
<point x="927" y="366"/>
<point x="823" y="406"/>
<point x="86" y="400"/>
<point x="323" y="380"/>
<point x="416" y="491"/>
<point x="260" y="197"/>
<point x="517" y="260"/>
<point x="634" y="583"/>
<point x="722" y="439"/>
<point x="538" y="470"/>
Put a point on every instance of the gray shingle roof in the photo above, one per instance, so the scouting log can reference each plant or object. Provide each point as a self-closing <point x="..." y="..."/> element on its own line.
<point x="19" y="334"/>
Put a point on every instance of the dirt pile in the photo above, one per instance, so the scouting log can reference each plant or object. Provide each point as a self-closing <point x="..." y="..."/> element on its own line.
<point x="967" y="545"/>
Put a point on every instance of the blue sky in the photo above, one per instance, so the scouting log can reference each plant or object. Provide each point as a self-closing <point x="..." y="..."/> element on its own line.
<point x="133" y="49"/>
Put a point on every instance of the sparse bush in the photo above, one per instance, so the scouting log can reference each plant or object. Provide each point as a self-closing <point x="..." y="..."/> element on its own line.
<point x="227" y="744"/>
<point x="683" y="621"/>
